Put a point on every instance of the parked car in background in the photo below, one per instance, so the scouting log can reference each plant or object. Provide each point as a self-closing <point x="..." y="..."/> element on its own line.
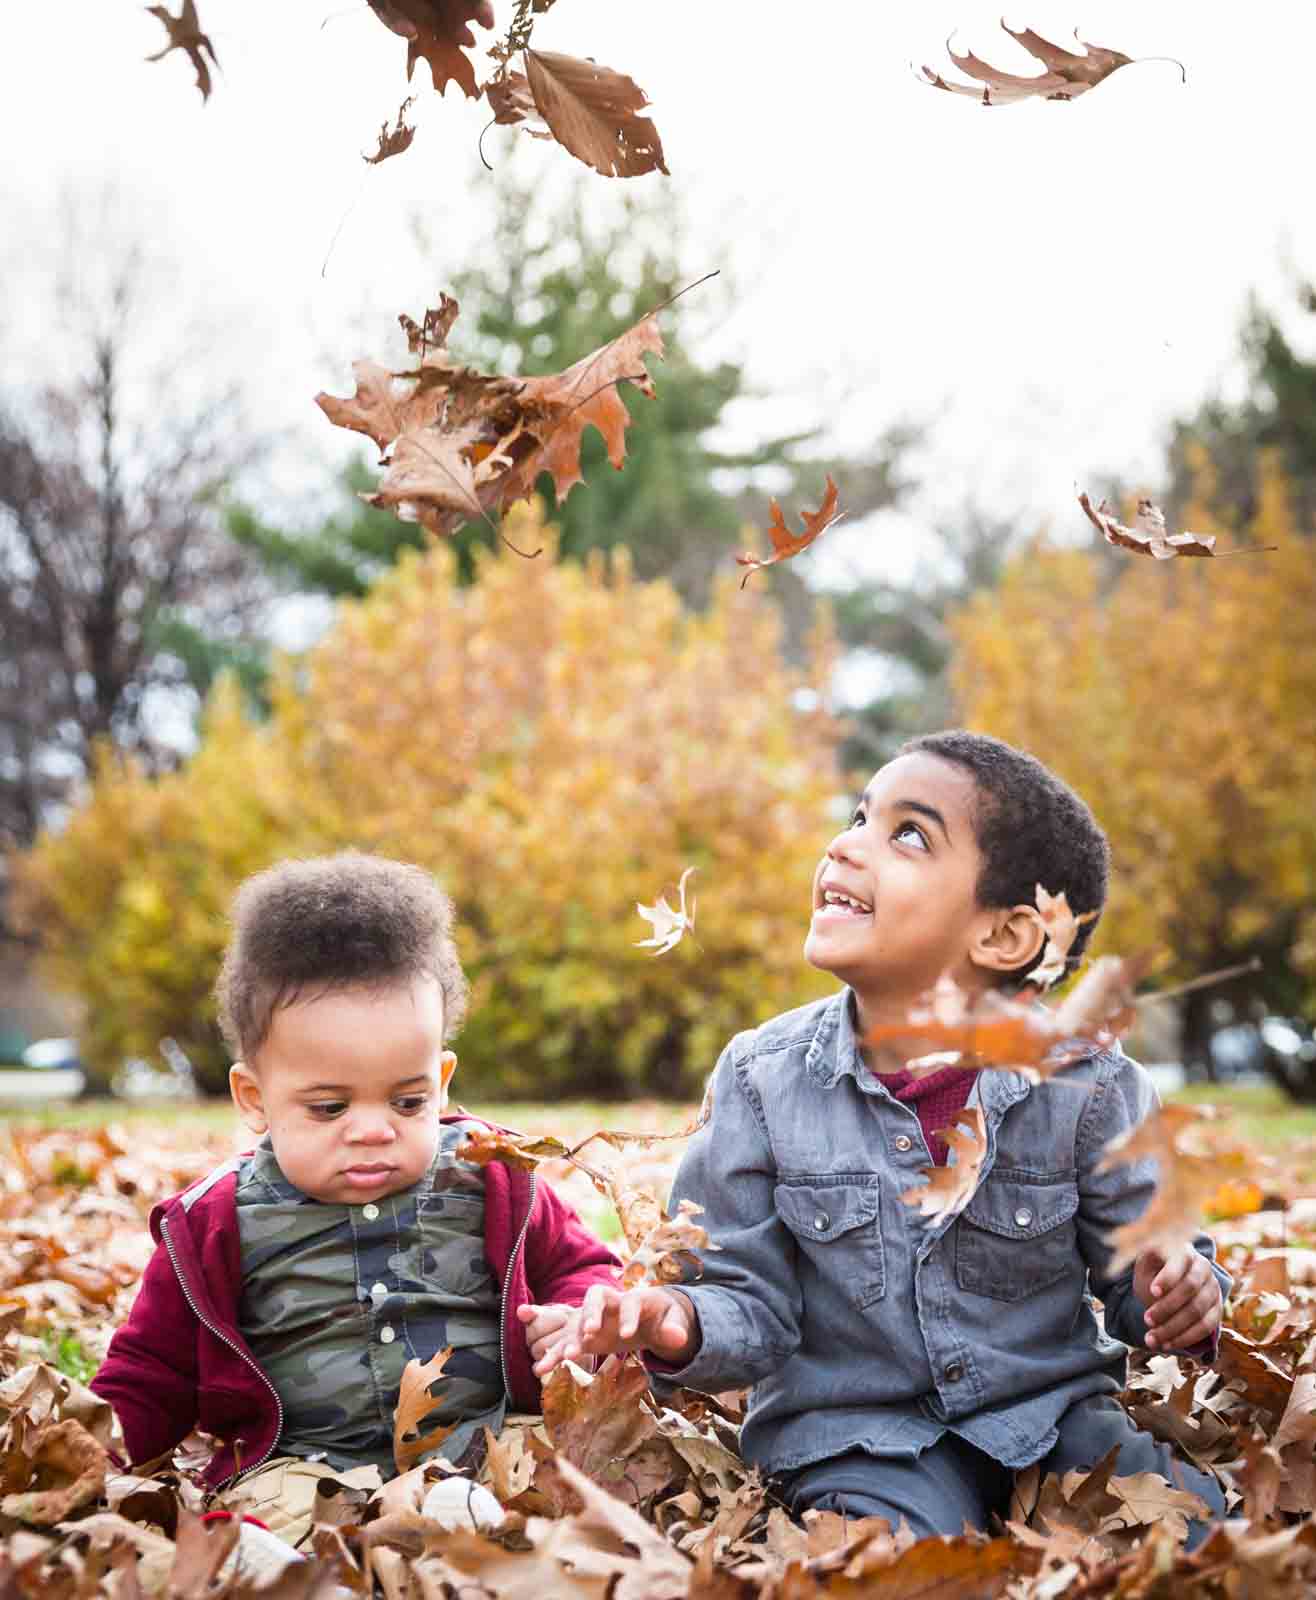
<point x="48" y="1069"/>
<point x="1282" y="1049"/>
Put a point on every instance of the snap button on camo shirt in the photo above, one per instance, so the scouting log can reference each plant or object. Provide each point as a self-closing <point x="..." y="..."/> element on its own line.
<point x="335" y="1302"/>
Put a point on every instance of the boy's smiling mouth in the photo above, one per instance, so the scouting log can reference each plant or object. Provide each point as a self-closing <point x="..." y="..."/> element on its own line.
<point x="835" y="902"/>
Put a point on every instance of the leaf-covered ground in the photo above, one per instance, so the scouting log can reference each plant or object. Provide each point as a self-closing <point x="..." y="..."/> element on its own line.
<point x="614" y="1495"/>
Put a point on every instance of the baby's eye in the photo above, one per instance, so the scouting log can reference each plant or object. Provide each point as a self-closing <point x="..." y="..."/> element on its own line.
<point x="911" y="830"/>
<point x="410" y="1104"/>
<point x="327" y="1110"/>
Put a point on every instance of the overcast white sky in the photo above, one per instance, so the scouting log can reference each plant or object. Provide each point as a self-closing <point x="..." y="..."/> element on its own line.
<point x="1051" y="282"/>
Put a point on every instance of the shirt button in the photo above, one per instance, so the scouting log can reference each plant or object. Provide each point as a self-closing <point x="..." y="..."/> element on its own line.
<point x="386" y="1335"/>
<point x="1023" y="1216"/>
<point x="370" y="1212"/>
<point x="954" y="1372"/>
<point x="904" y="1142"/>
<point x="379" y="1291"/>
<point x="822" y="1222"/>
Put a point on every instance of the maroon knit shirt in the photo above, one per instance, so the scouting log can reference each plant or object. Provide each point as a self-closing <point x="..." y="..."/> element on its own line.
<point x="935" y="1098"/>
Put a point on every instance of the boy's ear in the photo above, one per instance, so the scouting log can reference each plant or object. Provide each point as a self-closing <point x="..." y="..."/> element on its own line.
<point x="244" y="1086"/>
<point x="1011" y="938"/>
<point x="447" y="1066"/>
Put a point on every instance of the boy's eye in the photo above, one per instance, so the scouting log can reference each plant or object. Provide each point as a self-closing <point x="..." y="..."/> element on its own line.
<point x="410" y="1104"/>
<point x="858" y="820"/>
<point x="326" y="1110"/>
<point x="911" y="830"/>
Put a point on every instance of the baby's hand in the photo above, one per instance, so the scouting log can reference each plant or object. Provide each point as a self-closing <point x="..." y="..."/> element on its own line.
<point x="1182" y="1297"/>
<point x="547" y="1331"/>
<point x="650" y="1319"/>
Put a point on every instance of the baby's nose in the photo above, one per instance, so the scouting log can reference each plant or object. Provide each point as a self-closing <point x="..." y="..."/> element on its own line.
<point x="369" y="1127"/>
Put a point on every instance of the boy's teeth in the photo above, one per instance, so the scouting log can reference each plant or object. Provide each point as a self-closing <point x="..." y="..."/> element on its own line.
<point x="831" y="897"/>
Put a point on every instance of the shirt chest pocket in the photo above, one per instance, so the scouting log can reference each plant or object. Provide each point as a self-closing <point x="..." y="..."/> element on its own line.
<point x="1016" y="1237"/>
<point x="837" y="1227"/>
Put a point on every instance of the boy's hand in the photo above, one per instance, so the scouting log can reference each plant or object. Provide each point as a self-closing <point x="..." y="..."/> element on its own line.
<point x="650" y="1319"/>
<point x="1182" y="1297"/>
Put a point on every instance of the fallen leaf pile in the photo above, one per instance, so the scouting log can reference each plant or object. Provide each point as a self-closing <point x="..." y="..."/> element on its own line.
<point x="457" y="444"/>
<point x="615" y="1492"/>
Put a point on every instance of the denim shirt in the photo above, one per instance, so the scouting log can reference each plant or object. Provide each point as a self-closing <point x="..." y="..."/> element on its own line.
<point x="859" y="1323"/>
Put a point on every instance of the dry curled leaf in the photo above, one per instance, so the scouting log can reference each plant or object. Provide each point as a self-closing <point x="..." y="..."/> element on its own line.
<point x="185" y="34"/>
<point x="437" y="30"/>
<point x="785" y="543"/>
<point x="394" y="142"/>
<point x="1067" y="74"/>
<point x="1148" y="536"/>
<point x="70" y="1467"/>
<point x="415" y="1403"/>
<point x="666" y="1250"/>
<point x="458" y="444"/>
<point x="1062" y="927"/>
<point x="669" y="926"/>
<point x="949" y="1188"/>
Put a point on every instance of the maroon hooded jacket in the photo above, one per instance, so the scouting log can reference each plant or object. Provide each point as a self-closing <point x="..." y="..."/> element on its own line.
<point x="179" y="1361"/>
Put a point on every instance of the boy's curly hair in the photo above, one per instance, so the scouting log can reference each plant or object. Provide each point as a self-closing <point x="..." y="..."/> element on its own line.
<point x="1030" y="828"/>
<point x="333" y="922"/>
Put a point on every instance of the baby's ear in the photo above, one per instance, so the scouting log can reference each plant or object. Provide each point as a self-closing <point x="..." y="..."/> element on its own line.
<point x="244" y="1086"/>
<point x="1010" y="937"/>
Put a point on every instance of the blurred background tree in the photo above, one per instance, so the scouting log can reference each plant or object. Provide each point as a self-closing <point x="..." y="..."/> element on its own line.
<point x="1182" y="706"/>
<point x="557" y="742"/>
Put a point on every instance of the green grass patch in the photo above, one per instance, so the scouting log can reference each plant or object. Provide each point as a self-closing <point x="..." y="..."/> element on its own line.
<point x="1262" y="1110"/>
<point x="65" y="1352"/>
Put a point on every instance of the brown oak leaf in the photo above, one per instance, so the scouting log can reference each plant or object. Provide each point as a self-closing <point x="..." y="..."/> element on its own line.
<point x="949" y="1188"/>
<point x="590" y="110"/>
<point x="394" y="142"/>
<point x="185" y="34"/>
<point x="784" y="542"/>
<point x="1067" y="74"/>
<point x="437" y="30"/>
<point x="458" y="444"/>
<point x="665" y="1250"/>
<point x="415" y="1403"/>
<point x="70" y="1467"/>
<point x="1062" y="927"/>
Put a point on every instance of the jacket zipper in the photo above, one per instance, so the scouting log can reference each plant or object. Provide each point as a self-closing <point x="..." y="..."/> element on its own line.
<point x="507" y="1286"/>
<point x="237" y="1350"/>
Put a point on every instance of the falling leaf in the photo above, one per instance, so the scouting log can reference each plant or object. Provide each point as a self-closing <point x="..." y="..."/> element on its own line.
<point x="458" y="444"/>
<point x="669" y="927"/>
<point x="437" y="30"/>
<point x="1148" y="536"/>
<point x="1062" y="927"/>
<point x="513" y="104"/>
<point x="395" y="142"/>
<point x="949" y="1188"/>
<point x="784" y="542"/>
<point x="1067" y="74"/>
<point x="590" y="110"/>
<point x="414" y="1404"/>
<point x="1191" y="1166"/>
<point x="185" y="34"/>
<point x="667" y="1250"/>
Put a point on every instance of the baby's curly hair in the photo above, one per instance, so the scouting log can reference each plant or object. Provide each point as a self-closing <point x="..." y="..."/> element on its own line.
<point x="1030" y="828"/>
<point x="333" y="922"/>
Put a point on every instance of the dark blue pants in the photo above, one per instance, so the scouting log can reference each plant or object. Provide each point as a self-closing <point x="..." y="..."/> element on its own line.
<point x="952" y="1482"/>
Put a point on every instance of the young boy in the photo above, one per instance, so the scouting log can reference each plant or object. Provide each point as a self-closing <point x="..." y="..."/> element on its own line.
<point x="293" y="1284"/>
<point x="903" y="1367"/>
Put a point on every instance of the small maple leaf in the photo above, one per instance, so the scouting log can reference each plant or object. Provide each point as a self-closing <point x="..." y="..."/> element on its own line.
<point x="395" y="142"/>
<point x="949" y="1188"/>
<point x="185" y="34"/>
<point x="1067" y="74"/>
<point x="669" y="927"/>
<point x="784" y="542"/>
<point x="415" y="1403"/>
<point x="1062" y="927"/>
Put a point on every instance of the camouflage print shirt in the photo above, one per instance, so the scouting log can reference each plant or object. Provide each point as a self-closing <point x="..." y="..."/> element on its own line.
<point x="336" y="1299"/>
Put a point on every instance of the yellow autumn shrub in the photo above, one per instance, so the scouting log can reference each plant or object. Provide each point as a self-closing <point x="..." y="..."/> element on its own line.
<point x="556" y="743"/>
<point x="1182" y="705"/>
